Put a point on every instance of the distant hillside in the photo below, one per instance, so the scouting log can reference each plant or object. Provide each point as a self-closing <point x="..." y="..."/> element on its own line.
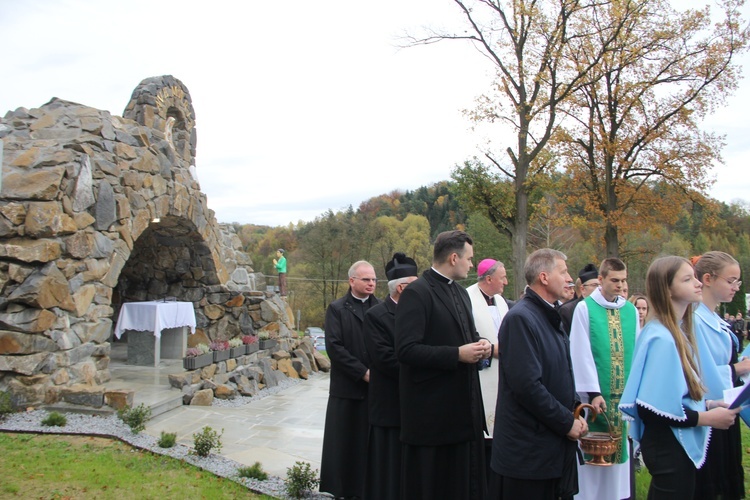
<point x="436" y="203"/>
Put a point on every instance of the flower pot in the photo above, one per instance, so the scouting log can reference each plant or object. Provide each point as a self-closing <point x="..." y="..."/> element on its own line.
<point x="267" y="343"/>
<point x="236" y="352"/>
<point x="251" y="348"/>
<point x="193" y="363"/>
<point x="220" y="356"/>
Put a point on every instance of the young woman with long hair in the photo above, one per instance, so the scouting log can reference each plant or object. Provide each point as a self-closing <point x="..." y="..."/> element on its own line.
<point x="664" y="396"/>
<point x="722" y="475"/>
<point x="641" y="305"/>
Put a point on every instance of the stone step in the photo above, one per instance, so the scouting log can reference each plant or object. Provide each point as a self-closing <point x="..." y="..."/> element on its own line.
<point x="166" y="404"/>
<point x="160" y="399"/>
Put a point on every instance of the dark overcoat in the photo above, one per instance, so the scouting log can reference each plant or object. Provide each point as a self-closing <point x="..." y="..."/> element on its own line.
<point x="344" y="458"/>
<point x="536" y="393"/>
<point x="345" y="346"/>
<point x="441" y="402"/>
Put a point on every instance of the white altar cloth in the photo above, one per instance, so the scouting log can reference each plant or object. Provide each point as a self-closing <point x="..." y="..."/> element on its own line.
<point x="155" y="316"/>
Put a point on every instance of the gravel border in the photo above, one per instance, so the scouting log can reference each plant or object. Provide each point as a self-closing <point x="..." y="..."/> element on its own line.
<point x="111" y="426"/>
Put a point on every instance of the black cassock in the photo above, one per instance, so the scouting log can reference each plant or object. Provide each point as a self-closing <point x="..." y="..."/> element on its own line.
<point x="442" y="415"/>
<point x="383" y="477"/>
<point x="342" y="468"/>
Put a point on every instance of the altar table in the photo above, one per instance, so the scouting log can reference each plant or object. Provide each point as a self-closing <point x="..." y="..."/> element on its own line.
<point x="156" y="329"/>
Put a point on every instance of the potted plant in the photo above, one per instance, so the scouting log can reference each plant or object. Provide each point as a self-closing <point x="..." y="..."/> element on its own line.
<point x="266" y="342"/>
<point x="220" y="349"/>
<point x="251" y="343"/>
<point x="236" y="348"/>
<point x="197" y="357"/>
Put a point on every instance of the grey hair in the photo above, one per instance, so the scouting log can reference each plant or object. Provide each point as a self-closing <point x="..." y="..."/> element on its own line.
<point x="542" y="260"/>
<point x="489" y="272"/>
<point x="357" y="265"/>
<point x="394" y="283"/>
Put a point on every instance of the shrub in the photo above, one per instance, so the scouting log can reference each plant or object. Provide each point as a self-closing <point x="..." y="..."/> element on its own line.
<point x="55" y="419"/>
<point x="300" y="479"/>
<point x="203" y="348"/>
<point x="255" y="471"/>
<point x="167" y="439"/>
<point x="264" y="335"/>
<point x="235" y="342"/>
<point x="6" y="405"/>
<point x="205" y="440"/>
<point x="249" y="339"/>
<point x="135" y="418"/>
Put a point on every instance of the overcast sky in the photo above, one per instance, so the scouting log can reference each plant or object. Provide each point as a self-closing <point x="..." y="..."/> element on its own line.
<point x="300" y="106"/>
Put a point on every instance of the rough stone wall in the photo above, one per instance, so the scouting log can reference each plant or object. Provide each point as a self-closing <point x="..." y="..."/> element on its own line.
<point x="95" y="210"/>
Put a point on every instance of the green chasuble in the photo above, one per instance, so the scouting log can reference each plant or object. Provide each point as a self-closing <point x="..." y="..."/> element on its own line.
<point x="612" y="337"/>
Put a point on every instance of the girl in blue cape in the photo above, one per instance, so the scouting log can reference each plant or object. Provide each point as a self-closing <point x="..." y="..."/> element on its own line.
<point x="722" y="475"/>
<point x="664" y="395"/>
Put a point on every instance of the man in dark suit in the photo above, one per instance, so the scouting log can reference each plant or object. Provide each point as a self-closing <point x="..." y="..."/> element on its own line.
<point x="442" y="416"/>
<point x="382" y="480"/>
<point x="342" y="468"/>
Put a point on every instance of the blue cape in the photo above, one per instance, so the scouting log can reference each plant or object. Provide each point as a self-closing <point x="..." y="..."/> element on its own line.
<point x="656" y="382"/>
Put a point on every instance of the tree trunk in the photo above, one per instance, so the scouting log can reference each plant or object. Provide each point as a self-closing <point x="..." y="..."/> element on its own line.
<point x="518" y="241"/>
<point x="611" y="240"/>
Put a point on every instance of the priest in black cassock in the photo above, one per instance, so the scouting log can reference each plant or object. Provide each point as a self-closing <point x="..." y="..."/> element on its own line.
<point x="437" y="345"/>
<point x="342" y="467"/>
<point x="382" y="480"/>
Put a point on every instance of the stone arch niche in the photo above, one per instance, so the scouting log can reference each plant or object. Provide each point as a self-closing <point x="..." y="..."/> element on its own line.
<point x="95" y="210"/>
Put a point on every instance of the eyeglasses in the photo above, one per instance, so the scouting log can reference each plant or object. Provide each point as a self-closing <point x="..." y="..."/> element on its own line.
<point x="733" y="282"/>
<point x="366" y="280"/>
<point x="591" y="284"/>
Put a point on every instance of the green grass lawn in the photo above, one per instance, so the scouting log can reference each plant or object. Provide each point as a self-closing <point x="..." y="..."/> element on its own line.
<point x="83" y="467"/>
<point x="643" y="478"/>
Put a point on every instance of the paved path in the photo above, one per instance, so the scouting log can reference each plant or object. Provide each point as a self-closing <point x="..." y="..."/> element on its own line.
<point x="276" y="431"/>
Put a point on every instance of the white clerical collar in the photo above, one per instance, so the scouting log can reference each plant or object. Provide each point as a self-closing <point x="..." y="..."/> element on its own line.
<point x="441" y="274"/>
<point x="598" y="297"/>
<point x="360" y="298"/>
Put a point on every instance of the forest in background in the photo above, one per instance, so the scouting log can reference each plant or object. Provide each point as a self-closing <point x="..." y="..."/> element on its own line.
<point x="320" y="252"/>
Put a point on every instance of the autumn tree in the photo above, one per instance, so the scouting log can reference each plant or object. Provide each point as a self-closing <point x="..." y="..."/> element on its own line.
<point x="635" y="121"/>
<point x="529" y="44"/>
<point x="328" y="247"/>
<point x="410" y="236"/>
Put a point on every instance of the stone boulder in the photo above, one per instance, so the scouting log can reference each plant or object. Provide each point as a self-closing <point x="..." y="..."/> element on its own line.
<point x="323" y="362"/>
<point x="224" y="391"/>
<point x="119" y="399"/>
<point x="299" y="367"/>
<point x="301" y="356"/>
<point x="285" y="367"/>
<point x="204" y="397"/>
<point x="81" y="394"/>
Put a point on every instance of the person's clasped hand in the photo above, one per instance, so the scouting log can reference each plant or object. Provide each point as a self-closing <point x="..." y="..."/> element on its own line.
<point x="474" y="352"/>
<point x="579" y="429"/>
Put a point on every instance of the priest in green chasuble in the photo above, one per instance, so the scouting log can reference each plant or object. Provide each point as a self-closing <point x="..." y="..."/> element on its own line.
<point x="602" y="339"/>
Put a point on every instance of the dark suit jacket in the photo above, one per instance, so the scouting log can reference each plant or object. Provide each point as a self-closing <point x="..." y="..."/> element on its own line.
<point x="346" y="347"/>
<point x="440" y="398"/>
<point x="380" y="325"/>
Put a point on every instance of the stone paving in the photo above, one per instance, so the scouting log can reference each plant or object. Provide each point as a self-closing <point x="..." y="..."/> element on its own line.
<point x="276" y="431"/>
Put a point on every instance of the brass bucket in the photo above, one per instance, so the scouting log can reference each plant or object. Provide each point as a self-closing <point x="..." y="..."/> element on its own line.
<point x="598" y="444"/>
